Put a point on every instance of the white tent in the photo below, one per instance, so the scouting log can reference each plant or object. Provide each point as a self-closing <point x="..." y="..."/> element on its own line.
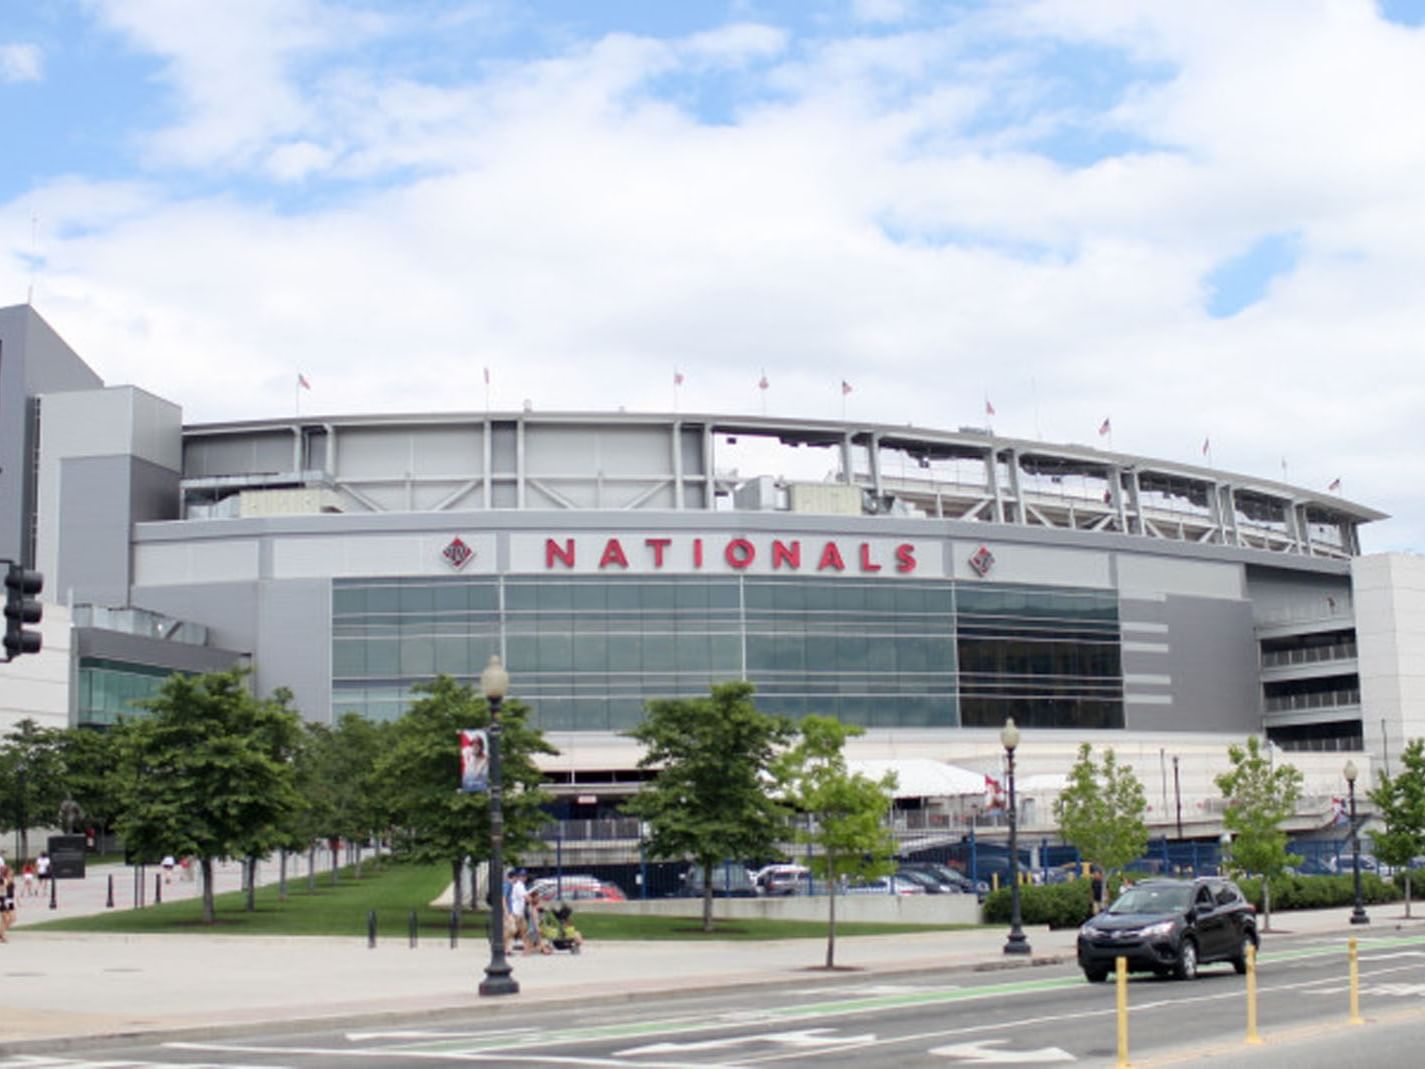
<point x="923" y="778"/>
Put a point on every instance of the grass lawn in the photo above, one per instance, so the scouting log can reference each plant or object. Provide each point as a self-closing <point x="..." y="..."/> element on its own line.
<point x="393" y="890"/>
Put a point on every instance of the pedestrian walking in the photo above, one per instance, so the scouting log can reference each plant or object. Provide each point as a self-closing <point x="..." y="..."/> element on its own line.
<point x="29" y="877"/>
<point x="7" y="901"/>
<point x="534" y="914"/>
<point x="42" y="868"/>
<point x="168" y="868"/>
<point x="517" y="907"/>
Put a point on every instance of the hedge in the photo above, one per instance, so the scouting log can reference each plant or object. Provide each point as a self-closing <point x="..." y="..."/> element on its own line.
<point x="1067" y="905"/>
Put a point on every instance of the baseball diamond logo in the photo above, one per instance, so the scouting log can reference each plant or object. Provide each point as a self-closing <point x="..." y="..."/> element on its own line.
<point x="982" y="561"/>
<point x="457" y="554"/>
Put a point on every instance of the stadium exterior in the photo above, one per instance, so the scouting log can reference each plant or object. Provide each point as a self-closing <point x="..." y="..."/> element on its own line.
<point x="925" y="584"/>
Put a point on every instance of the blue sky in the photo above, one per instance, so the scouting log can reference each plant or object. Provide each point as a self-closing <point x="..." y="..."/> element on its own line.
<point x="1200" y="220"/>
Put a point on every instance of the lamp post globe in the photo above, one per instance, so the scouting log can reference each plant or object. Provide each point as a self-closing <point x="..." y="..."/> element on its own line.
<point x="1358" y="912"/>
<point x="1016" y="943"/>
<point x="494" y="683"/>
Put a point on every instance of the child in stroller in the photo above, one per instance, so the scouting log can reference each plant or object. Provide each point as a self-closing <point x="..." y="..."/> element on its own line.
<point x="556" y="931"/>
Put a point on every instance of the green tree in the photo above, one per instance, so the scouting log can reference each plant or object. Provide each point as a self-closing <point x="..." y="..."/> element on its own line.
<point x="31" y="780"/>
<point x="89" y="757"/>
<point x="1400" y="803"/>
<point x="1260" y="796"/>
<point x="420" y="776"/>
<point x="337" y="769"/>
<point x="846" y="811"/>
<point x="208" y="772"/>
<point x="1101" y="812"/>
<point x="711" y="798"/>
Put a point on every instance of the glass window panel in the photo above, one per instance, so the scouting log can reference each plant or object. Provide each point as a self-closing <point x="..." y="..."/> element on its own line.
<point x="383" y="657"/>
<point x="625" y="653"/>
<point x="658" y="653"/>
<point x="348" y="600"/>
<point x="417" y="658"/>
<point x="588" y="597"/>
<point x="725" y="654"/>
<point x="693" y="653"/>
<point x="556" y="653"/>
<point x="450" y="597"/>
<point x="416" y="597"/>
<point x="591" y="652"/>
<point x="452" y="656"/>
<point x="383" y="599"/>
<point x="349" y="658"/>
<point x="554" y="596"/>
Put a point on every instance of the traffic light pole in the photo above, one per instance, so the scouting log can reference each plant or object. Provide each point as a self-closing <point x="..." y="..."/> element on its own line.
<point x="22" y="607"/>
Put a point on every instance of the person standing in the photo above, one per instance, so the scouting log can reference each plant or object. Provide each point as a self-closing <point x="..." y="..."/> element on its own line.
<point x="42" y="867"/>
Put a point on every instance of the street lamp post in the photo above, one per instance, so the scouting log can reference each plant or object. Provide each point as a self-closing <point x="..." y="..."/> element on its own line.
<point x="1358" y="914"/>
<point x="494" y="682"/>
<point x="1017" y="943"/>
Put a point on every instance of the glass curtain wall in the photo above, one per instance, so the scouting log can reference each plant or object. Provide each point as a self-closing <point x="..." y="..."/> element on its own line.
<point x="589" y="651"/>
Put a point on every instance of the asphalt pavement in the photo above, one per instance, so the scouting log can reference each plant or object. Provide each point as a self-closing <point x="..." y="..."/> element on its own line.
<point x="62" y="988"/>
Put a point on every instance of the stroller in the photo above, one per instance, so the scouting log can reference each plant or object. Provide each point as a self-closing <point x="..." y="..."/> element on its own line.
<point x="554" y="928"/>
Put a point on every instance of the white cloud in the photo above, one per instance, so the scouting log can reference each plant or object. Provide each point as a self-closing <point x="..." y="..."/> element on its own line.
<point x="21" y="63"/>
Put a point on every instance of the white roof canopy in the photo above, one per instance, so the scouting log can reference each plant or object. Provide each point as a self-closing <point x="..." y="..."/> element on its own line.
<point x="923" y="778"/>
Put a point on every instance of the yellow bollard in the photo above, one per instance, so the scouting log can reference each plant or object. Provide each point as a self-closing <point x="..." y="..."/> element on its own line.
<point x="1252" y="1036"/>
<point x="994" y="881"/>
<point x="1122" y="984"/>
<point x="1356" y="1017"/>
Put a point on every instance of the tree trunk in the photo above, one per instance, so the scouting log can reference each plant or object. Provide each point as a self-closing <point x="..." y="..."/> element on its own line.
<point x="282" y="875"/>
<point x="311" y="867"/>
<point x="831" y="914"/>
<point x="358" y="861"/>
<point x="707" y="897"/>
<point x="1407" y="893"/>
<point x="250" y="864"/>
<point x="336" y="861"/>
<point x="458" y="886"/>
<point x="209" y="914"/>
<point x="1266" y="905"/>
<point x="474" y="870"/>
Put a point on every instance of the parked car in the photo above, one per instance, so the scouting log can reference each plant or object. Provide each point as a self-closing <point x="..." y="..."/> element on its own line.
<point x="782" y="879"/>
<point x="728" y="881"/>
<point x="578" y="889"/>
<point x="883" y="885"/>
<point x="1312" y="866"/>
<point x="931" y="881"/>
<point x="1170" y="927"/>
<point x="947" y="875"/>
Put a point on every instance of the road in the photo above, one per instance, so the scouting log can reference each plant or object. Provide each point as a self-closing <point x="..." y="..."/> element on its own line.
<point x="1039" y="1016"/>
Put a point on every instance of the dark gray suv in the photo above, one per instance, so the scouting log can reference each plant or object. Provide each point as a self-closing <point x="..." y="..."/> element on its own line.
<point x="1170" y="927"/>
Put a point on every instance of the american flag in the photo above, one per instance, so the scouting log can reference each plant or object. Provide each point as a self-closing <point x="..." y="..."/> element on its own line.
<point x="845" y="387"/>
<point x="989" y="408"/>
<point x="762" y="383"/>
<point x="487" y="376"/>
<point x="677" y="377"/>
<point x="1335" y="485"/>
<point x="1105" y="427"/>
<point x="302" y="381"/>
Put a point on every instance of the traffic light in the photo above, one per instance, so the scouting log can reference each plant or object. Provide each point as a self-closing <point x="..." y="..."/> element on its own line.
<point x="21" y="608"/>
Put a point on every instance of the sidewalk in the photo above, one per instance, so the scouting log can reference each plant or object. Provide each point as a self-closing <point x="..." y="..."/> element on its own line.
<point x="69" y="986"/>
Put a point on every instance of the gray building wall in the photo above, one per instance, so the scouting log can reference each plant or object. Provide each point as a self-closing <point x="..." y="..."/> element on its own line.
<point x="99" y="500"/>
<point x="1190" y="664"/>
<point x="33" y="360"/>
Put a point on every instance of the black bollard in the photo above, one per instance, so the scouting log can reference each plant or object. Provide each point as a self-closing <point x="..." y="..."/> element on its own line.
<point x="158" y="888"/>
<point x="53" y="891"/>
<point x="415" y="934"/>
<point x="109" y="902"/>
<point x="454" y="929"/>
<point x="371" y="929"/>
